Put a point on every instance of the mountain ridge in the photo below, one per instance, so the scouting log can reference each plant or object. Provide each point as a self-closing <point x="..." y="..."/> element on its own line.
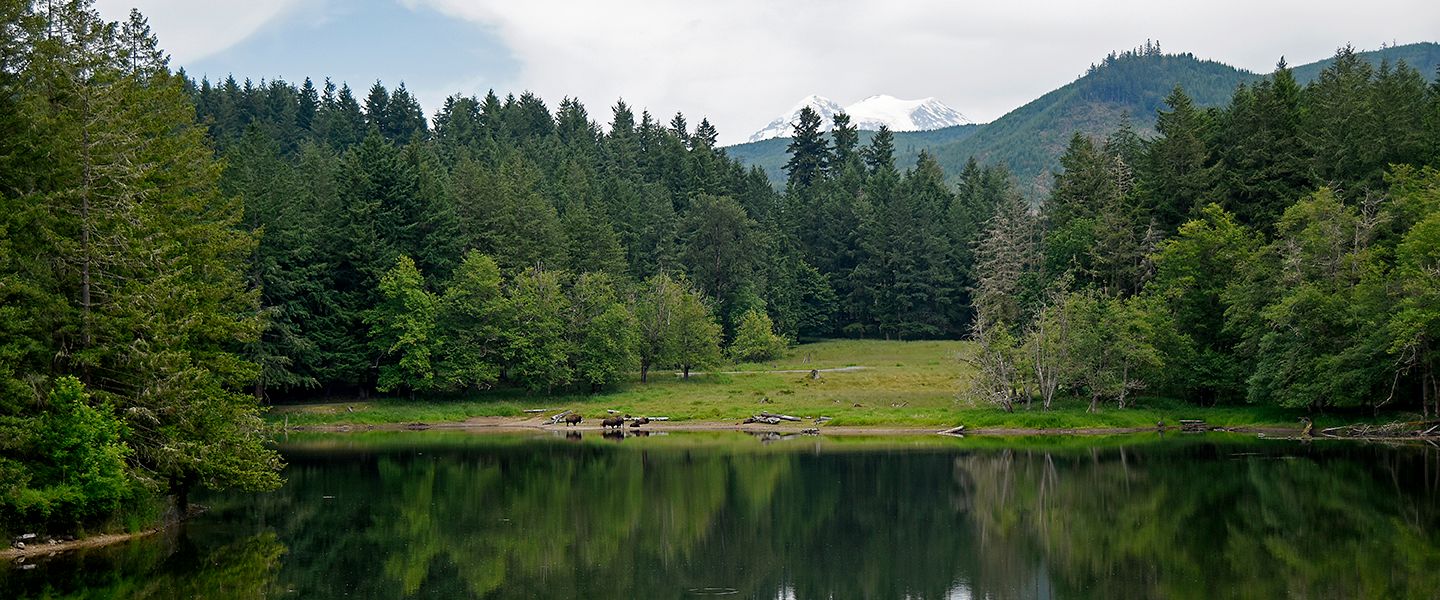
<point x="1123" y="88"/>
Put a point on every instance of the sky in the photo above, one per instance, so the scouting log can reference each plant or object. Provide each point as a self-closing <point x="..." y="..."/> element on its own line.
<point x="740" y="63"/>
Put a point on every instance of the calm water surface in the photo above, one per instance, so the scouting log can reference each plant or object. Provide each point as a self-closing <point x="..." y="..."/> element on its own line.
<point x="455" y="515"/>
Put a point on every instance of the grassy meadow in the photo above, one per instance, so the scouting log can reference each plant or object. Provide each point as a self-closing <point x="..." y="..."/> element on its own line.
<point x="888" y="383"/>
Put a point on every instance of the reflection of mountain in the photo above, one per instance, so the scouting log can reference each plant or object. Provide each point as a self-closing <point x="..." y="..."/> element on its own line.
<point x="501" y="517"/>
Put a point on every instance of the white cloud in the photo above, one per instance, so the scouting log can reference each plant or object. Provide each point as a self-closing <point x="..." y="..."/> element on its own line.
<point x="194" y="29"/>
<point x="740" y="62"/>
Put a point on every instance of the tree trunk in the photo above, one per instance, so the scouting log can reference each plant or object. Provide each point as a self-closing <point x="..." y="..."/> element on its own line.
<point x="1094" y="403"/>
<point x="644" y="372"/>
<point x="182" y="485"/>
<point x="687" y="371"/>
<point x="87" y="182"/>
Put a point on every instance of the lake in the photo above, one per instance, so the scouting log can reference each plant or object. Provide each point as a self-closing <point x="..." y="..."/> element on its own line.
<point x="457" y="515"/>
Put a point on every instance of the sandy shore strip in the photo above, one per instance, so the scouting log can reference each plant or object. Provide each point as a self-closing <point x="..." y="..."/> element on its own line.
<point x="521" y="424"/>
<point x="43" y="548"/>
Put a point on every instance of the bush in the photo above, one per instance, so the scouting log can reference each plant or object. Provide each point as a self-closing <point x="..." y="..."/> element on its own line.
<point x="76" y="472"/>
<point x="755" y="339"/>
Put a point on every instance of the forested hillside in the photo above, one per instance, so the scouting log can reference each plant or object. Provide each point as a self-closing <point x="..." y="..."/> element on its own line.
<point x="1126" y="87"/>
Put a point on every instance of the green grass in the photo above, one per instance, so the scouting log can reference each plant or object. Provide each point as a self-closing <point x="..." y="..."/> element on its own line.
<point x="903" y="384"/>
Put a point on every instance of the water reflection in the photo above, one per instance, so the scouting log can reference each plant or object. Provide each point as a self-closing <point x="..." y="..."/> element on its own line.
<point x="689" y="516"/>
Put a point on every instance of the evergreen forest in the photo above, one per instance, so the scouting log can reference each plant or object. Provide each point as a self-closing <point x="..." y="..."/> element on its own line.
<point x="174" y="254"/>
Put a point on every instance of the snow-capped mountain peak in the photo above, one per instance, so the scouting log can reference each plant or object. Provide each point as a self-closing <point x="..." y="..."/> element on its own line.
<point x="784" y="125"/>
<point x="869" y="114"/>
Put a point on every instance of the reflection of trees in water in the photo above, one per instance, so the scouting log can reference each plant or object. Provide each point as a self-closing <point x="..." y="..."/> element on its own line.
<point x="602" y="521"/>
<point x="162" y="566"/>
<point x="598" y="521"/>
<point x="1184" y="523"/>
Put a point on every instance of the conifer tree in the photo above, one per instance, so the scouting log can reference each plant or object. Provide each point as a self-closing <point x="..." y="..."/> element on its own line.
<point x="1177" y="174"/>
<point x="809" y="153"/>
<point x="145" y="296"/>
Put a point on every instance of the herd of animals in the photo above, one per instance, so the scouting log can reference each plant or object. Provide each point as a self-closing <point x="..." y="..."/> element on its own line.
<point x="615" y="421"/>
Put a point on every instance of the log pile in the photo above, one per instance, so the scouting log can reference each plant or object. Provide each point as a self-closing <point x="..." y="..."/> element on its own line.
<point x="770" y="419"/>
<point x="556" y="419"/>
<point x="1193" y="425"/>
<point x="1423" y="430"/>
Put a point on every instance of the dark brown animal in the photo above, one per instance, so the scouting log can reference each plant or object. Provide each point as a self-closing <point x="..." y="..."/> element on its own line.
<point x="573" y="419"/>
<point x="640" y="421"/>
<point x="616" y="421"/>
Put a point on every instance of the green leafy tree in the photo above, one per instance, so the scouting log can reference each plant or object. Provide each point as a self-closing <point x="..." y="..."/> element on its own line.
<point x="78" y="475"/>
<point x="756" y="340"/>
<point x="470" y="321"/>
<point x="403" y="330"/>
<point x="1415" y="326"/>
<point x="694" y="334"/>
<point x="1110" y="347"/>
<point x="654" y="307"/>
<point x="606" y="334"/>
<point x="537" y="349"/>
<point x="1194" y="270"/>
<point x="1319" y="346"/>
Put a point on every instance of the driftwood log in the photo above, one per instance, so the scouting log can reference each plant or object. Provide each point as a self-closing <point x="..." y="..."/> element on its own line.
<point x="1411" y="430"/>
<point x="781" y="417"/>
<point x="556" y="419"/>
<point x="958" y="430"/>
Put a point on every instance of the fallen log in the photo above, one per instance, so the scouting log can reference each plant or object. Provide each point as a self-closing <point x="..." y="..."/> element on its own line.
<point x="538" y="410"/>
<point x="960" y="430"/>
<point x="781" y="417"/>
<point x="1404" y="430"/>
<point x="556" y="419"/>
<point x="760" y="419"/>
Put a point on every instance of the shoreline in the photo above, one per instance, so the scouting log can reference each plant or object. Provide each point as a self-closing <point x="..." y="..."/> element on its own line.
<point x="48" y="550"/>
<point x="500" y="425"/>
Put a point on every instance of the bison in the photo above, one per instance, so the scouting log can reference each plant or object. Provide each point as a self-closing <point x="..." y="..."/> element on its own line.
<point x="615" y="421"/>
<point x="573" y="419"/>
<point x="640" y="421"/>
